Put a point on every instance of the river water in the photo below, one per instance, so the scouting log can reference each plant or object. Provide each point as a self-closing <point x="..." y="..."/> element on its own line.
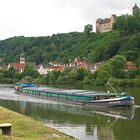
<point x="83" y="124"/>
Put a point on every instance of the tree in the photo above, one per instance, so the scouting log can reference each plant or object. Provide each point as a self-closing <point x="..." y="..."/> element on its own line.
<point x="137" y="13"/>
<point x="27" y="79"/>
<point x="1" y="75"/>
<point x="118" y="64"/>
<point x="30" y="71"/>
<point x="52" y="76"/>
<point x="11" y="73"/>
<point x="127" y="24"/>
<point x="88" y="29"/>
<point x="103" y="74"/>
<point x="112" y="68"/>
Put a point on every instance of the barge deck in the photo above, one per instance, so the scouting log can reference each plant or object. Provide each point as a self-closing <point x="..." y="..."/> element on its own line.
<point x="85" y="98"/>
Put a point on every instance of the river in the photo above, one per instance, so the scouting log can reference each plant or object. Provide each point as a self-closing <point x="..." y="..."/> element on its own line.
<point x="84" y="124"/>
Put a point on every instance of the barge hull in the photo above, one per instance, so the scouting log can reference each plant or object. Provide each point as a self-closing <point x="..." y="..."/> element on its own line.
<point x="126" y="101"/>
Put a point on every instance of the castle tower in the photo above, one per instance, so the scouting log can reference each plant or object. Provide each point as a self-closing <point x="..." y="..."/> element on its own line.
<point x="135" y="9"/>
<point x="22" y="58"/>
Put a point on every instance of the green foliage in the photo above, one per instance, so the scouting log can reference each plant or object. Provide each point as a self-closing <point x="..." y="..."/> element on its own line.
<point x="10" y="73"/>
<point x="137" y="13"/>
<point x="52" y="76"/>
<point x="69" y="76"/>
<point x="6" y="80"/>
<point x="125" y="82"/>
<point x="1" y="75"/>
<point x="40" y="49"/>
<point x="27" y="79"/>
<point x="88" y="29"/>
<point x="127" y="24"/>
<point x="138" y="62"/>
<point x="112" y="68"/>
<point x="30" y="71"/>
<point x="65" y="47"/>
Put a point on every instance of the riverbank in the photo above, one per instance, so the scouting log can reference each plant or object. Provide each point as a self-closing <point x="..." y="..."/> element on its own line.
<point x="25" y="128"/>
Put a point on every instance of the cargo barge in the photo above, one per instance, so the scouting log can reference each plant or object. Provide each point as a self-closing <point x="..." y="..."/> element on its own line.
<point x="85" y="98"/>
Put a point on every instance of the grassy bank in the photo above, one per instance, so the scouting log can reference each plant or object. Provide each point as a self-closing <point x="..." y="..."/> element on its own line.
<point x="25" y="128"/>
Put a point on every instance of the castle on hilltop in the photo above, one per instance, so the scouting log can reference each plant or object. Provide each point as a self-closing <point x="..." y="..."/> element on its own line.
<point x="106" y="25"/>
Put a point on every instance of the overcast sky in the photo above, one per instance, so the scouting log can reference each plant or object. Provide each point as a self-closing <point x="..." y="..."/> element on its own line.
<point x="47" y="17"/>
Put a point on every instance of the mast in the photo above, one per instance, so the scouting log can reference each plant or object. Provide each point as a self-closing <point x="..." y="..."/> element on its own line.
<point x="112" y="87"/>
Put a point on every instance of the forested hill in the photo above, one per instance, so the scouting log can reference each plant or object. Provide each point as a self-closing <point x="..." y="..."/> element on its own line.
<point x="64" y="47"/>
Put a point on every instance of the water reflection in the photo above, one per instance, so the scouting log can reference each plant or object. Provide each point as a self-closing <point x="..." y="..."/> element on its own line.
<point x="79" y="122"/>
<point x="122" y="113"/>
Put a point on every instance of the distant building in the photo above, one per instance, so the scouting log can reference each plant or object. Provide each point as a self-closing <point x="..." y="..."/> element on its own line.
<point x="105" y="25"/>
<point x="22" y="58"/>
<point x="135" y="9"/>
<point x="54" y="63"/>
<point x="131" y="66"/>
<point x="19" y="67"/>
<point x="56" y="68"/>
<point x="42" y="69"/>
<point x="80" y="64"/>
<point x="95" y="67"/>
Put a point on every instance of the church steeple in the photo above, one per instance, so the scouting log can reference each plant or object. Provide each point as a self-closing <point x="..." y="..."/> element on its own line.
<point x="135" y="6"/>
<point x="22" y="58"/>
<point x="135" y="9"/>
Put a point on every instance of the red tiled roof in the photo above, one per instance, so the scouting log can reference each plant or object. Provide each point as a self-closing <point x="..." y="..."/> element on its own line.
<point x="18" y="66"/>
<point x="131" y="66"/>
<point x="56" y="68"/>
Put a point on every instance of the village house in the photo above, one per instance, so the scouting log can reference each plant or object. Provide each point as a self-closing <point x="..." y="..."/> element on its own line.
<point x="54" y="63"/>
<point x="80" y="64"/>
<point x="19" y="67"/>
<point x="42" y="69"/>
<point x="56" y="68"/>
<point x="95" y="67"/>
<point x="130" y="66"/>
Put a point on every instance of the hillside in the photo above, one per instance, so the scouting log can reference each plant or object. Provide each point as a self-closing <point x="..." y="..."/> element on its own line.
<point x="63" y="47"/>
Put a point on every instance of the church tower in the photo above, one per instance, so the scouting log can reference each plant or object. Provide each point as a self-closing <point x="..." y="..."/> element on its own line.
<point x="22" y="58"/>
<point x="135" y="9"/>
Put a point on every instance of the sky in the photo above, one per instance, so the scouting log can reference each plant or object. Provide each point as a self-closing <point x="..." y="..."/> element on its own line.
<point x="46" y="17"/>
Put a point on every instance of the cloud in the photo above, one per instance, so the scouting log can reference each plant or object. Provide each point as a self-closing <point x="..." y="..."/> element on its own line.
<point x="45" y="17"/>
<point x="90" y="10"/>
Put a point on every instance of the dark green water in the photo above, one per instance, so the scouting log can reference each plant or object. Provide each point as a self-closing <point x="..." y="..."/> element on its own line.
<point x="84" y="124"/>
